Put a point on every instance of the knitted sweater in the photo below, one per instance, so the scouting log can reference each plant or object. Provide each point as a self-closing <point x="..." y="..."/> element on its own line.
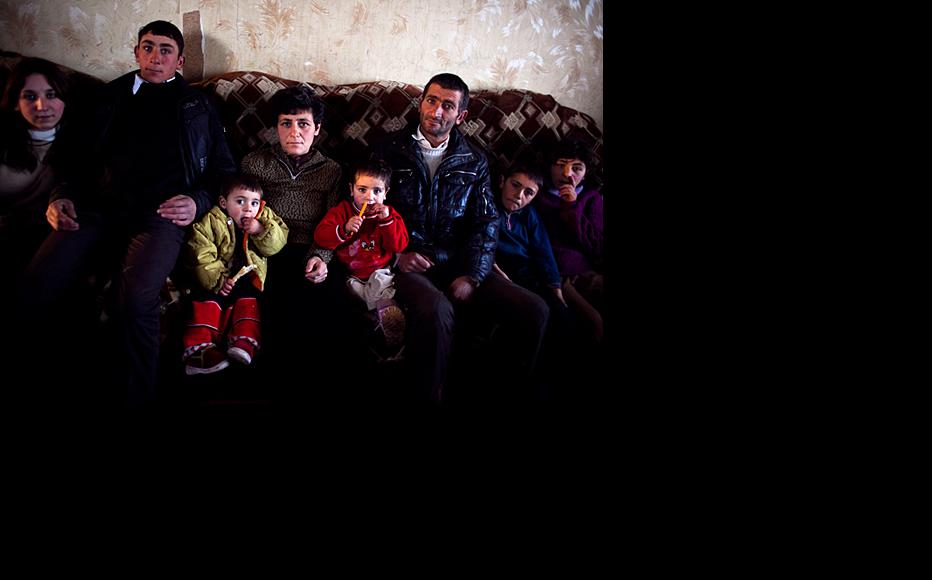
<point x="575" y="230"/>
<point x="301" y="197"/>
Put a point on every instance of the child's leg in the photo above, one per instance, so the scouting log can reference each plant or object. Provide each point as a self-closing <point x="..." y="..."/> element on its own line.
<point x="245" y="332"/>
<point x="201" y="354"/>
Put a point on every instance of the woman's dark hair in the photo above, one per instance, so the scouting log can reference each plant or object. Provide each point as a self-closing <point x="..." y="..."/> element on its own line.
<point x="293" y="100"/>
<point x="15" y="151"/>
<point x="570" y="149"/>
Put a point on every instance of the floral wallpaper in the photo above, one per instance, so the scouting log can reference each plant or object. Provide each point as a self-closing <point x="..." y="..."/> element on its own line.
<point x="548" y="46"/>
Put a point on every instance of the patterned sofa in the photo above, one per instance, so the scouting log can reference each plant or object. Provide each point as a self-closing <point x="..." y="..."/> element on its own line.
<point x="505" y="123"/>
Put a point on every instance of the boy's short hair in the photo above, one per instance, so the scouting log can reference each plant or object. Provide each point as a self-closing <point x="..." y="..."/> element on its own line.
<point x="570" y="149"/>
<point x="374" y="167"/>
<point x="450" y="82"/>
<point x="163" y="28"/>
<point x="237" y="181"/>
<point x="529" y="168"/>
<point x="293" y="100"/>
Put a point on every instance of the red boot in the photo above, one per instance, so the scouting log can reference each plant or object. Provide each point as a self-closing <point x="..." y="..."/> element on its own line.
<point x="245" y="335"/>
<point x="201" y="353"/>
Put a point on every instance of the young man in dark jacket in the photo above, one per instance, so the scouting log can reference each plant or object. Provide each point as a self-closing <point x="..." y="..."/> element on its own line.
<point x="153" y="151"/>
<point x="441" y="187"/>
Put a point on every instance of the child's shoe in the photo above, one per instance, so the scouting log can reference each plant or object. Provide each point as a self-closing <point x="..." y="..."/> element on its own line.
<point x="392" y="322"/>
<point x="241" y="350"/>
<point x="205" y="361"/>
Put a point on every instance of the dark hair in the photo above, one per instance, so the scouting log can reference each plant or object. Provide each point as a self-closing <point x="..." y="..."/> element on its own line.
<point x="293" y="100"/>
<point x="239" y="180"/>
<point x="14" y="135"/>
<point x="374" y="167"/>
<point x="451" y="82"/>
<point x="570" y="149"/>
<point x="528" y="168"/>
<point x="163" y="28"/>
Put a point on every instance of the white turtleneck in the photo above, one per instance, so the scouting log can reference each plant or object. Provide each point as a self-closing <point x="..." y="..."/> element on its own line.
<point x="432" y="155"/>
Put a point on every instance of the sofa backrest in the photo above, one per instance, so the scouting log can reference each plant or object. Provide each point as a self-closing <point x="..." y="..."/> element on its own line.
<point x="504" y="123"/>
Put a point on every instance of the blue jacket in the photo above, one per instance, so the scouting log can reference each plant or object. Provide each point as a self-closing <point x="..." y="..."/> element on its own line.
<point x="524" y="251"/>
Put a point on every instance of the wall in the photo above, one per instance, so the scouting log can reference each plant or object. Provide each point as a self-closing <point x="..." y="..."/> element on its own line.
<point x="548" y="46"/>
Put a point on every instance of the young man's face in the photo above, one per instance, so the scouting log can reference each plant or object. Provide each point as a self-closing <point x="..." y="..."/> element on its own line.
<point x="567" y="170"/>
<point x="296" y="132"/>
<point x="158" y="57"/>
<point x="39" y="104"/>
<point x="241" y="203"/>
<point x="439" y="112"/>
<point x="518" y="189"/>
<point x="370" y="190"/>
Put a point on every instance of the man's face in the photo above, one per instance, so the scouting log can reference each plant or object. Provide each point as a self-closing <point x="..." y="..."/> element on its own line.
<point x="158" y="57"/>
<point x="296" y="132"/>
<point x="439" y="112"/>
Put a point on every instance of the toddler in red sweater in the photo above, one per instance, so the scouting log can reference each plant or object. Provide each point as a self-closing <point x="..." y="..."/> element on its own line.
<point x="366" y="233"/>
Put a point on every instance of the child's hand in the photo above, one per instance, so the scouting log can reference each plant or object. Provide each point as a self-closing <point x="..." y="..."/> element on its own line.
<point x="377" y="210"/>
<point x="227" y="287"/>
<point x="252" y="226"/>
<point x="353" y="224"/>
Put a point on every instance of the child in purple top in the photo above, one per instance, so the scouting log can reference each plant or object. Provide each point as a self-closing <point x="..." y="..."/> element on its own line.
<point x="571" y="210"/>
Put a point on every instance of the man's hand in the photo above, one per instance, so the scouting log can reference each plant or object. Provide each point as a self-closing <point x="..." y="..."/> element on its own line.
<point x="61" y="215"/>
<point x="180" y="210"/>
<point x="316" y="270"/>
<point x="462" y="288"/>
<point x="227" y="287"/>
<point x="413" y="262"/>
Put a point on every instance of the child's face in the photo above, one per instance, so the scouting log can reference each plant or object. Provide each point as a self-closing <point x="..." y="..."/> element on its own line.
<point x="567" y="170"/>
<point x="518" y="189"/>
<point x="296" y="132"/>
<point x="241" y="203"/>
<point x="369" y="189"/>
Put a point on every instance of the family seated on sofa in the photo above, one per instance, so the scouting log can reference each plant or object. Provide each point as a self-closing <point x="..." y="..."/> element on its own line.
<point x="122" y="182"/>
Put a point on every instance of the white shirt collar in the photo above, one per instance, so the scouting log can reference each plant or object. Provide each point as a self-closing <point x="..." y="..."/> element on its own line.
<point x="139" y="80"/>
<point x="424" y="143"/>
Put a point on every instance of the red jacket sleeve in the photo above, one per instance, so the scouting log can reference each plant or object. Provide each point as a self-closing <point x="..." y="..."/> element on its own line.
<point x="393" y="235"/>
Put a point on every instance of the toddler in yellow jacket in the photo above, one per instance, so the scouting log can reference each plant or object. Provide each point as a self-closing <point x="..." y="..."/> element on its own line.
<point x="227" y="252"/>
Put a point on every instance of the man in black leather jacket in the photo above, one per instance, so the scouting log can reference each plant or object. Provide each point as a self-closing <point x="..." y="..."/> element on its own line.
<point x="152" y="153"/>
<point x="442" y="189"/>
